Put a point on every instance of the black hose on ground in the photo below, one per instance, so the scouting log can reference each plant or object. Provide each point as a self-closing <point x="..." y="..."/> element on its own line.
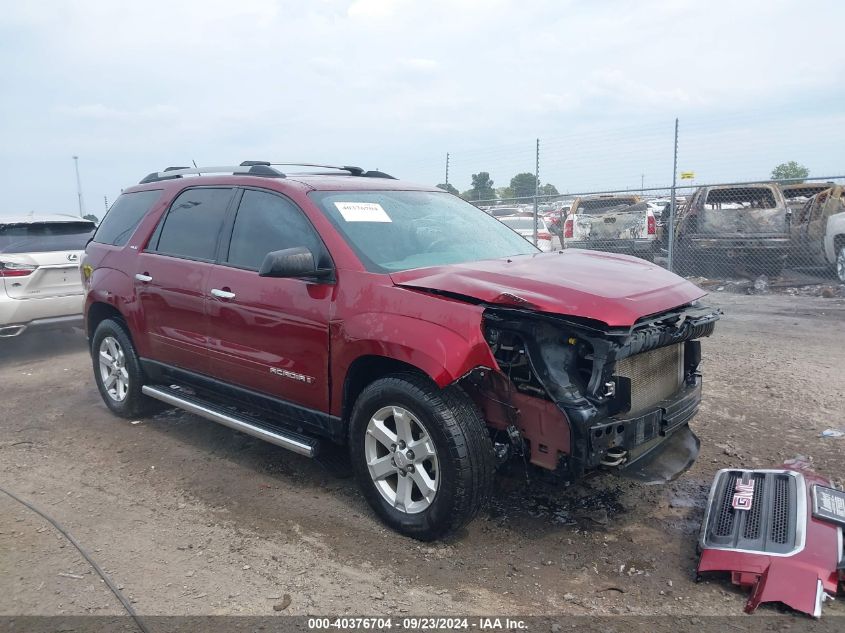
<point x="86" y="556"/>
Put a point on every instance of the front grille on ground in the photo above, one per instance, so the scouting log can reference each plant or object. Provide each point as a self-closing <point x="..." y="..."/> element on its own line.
<point x="774" y="522"/>
<point x="655" y="375"/>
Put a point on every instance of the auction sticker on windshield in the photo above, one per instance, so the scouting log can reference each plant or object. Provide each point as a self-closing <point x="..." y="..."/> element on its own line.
<point x="362" y="212"/>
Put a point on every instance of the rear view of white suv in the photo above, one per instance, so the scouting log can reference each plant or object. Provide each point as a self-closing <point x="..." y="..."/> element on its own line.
<point x="40" y="284"/>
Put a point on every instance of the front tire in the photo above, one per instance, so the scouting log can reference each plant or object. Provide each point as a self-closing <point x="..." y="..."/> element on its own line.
<point x="117" y="371"/>
<point x="840" y="265"/>
<point x="422" y="455"/>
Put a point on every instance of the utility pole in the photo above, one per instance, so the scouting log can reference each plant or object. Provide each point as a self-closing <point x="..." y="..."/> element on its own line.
<point x="536" y="190"/>
<point x="78" y="186"/>
<point x="642" y="183"/>
<point x="447" y="169"/>
<point x="672" y="202"/>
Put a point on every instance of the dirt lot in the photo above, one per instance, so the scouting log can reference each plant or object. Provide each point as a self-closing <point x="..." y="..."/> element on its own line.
<point x="191" y="518"/>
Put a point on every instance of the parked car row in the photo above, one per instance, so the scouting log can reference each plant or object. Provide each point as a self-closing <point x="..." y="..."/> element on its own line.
<point x="755" y="228"/>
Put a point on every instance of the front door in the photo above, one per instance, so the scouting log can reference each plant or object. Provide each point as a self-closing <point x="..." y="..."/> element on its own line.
<point x="171" y="278"/>
<point x="267" y="334"/>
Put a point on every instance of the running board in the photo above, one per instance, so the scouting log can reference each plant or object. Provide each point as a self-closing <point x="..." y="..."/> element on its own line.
<point x="248" y="424"/>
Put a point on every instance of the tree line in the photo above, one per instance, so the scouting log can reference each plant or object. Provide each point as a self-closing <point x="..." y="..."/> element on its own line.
<point x="481" y="187"/>
<point x="523" y="185"/>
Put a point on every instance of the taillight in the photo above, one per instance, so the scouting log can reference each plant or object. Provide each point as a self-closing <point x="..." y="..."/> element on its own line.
<point x="544" y="235"/>
<point x="567" y="227"/>
<point x="652" y="225"/>
<point x="11" y="269"/>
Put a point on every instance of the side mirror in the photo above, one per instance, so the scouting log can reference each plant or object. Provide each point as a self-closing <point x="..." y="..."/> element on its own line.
<point x="292" y="262"/>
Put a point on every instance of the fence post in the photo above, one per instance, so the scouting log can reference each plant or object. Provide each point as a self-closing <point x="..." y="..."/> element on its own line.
<point x="536" y="190"/>
<point x="672" y="201"/>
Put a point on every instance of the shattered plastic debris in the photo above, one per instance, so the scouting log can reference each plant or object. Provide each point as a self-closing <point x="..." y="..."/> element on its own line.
<point x="761" y="284"/>
<point x="832" y="433"/>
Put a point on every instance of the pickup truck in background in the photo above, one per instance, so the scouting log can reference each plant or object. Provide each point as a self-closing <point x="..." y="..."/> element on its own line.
<point x="615" y="223"/>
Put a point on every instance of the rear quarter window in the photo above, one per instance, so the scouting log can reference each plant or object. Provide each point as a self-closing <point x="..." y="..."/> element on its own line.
<point x="44" y="237"/>
<point x="124" y="216"/>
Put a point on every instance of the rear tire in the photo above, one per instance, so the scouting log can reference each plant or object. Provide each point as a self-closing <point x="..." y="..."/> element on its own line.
<point x="118" y="373"/>
<point x="440" y="487"/>
<point x="840" y="264"/>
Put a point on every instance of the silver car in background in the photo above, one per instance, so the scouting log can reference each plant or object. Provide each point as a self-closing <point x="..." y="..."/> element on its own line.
<point x="524" y="225"/>
<point x="40" y="284"/>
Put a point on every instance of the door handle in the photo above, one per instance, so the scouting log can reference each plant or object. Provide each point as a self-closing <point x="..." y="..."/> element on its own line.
<point x="222" y="294"/>
<point x="143" y="277"/>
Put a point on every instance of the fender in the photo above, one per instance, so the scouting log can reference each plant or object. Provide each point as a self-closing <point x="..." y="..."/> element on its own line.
<point x="115" y="288"/>
<point x="443" y="354"/>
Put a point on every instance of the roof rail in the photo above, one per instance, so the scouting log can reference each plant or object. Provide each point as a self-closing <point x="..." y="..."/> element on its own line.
<point x="254" y="169"/>
<point x="351" y="169"/>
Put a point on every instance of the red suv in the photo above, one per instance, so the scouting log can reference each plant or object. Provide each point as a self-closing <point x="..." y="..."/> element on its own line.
<point x="350" y="308"/>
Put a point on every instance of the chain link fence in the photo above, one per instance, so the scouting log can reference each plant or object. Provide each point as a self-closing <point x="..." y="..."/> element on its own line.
<point x="634" y="191"/>
<point x="766" y="234"/>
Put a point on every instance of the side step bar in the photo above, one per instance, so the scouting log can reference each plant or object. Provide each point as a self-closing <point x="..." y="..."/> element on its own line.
<point x="255" y="427"/>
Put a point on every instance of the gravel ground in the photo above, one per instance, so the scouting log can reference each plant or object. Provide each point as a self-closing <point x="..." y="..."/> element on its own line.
<point x="191" y="518"/>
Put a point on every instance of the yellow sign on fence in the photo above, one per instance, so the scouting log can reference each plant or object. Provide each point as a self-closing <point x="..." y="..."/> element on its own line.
<point x="687" y="175"/>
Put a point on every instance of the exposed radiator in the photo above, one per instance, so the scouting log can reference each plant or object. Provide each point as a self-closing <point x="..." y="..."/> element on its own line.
<point x="654" y="375"/>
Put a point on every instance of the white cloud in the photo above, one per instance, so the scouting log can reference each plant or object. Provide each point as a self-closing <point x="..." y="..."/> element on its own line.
<point x="131" y="87"/>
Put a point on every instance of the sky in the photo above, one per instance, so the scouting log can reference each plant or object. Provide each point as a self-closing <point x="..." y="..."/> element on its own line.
<point x="133" y="87"/>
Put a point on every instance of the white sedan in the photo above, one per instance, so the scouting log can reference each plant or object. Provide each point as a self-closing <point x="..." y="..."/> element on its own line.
<point x="524" y="225"/>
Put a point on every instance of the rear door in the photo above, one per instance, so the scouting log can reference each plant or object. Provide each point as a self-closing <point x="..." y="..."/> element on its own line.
<point x="267" y="334"/>
<point x="171" y="278"/>
<point x="40" y="260"/>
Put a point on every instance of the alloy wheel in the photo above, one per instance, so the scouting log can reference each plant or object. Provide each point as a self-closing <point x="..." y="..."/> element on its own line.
<point x="401" y="459"/>
<point x="113" y="372"/>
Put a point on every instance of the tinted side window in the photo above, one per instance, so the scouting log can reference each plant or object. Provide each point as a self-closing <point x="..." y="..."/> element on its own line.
<point x="266" y="223"/>
<point x="124" y="215"/>
<point x="192" y="224"/>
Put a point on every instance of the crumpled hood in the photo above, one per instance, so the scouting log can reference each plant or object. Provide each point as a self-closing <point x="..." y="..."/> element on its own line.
<point x="614" y="289"/>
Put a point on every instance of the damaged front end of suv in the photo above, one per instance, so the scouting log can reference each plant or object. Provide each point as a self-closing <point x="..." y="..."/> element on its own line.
<point x="575" y="395"/>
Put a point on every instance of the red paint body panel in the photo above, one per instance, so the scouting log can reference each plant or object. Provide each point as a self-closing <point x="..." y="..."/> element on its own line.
<point x="614" y="289"/>
<point x="792" y="580"/>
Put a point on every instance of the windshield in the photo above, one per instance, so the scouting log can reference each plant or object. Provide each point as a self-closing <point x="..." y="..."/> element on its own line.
<point x="399" y="230"/>
<point x="741" y="198"/>
<point x="44" y="237"/>
<point x="599" y="206"/>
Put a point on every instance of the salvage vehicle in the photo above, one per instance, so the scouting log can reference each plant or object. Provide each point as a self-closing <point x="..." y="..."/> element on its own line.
<point x="615" y="223"/>
<point x="350" y="309"/>
<point x="797" y="194"/>
<point x="729" y="228"/>
<point x="39" y="272"/>
<point x="818" y="232"/>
